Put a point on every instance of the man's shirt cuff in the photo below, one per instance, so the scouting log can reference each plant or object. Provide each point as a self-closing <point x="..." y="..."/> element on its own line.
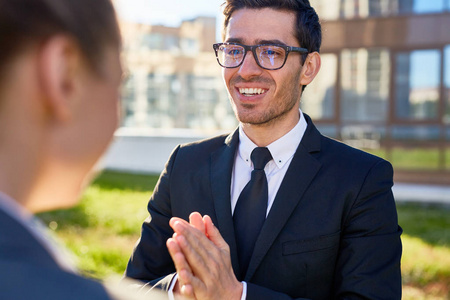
<point x="244" y="290"/>
<point x="172" y="285"/>
<point x="175" y="278"/>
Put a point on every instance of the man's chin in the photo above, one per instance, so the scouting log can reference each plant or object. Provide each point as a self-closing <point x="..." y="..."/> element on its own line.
<point x="253" y="121"/>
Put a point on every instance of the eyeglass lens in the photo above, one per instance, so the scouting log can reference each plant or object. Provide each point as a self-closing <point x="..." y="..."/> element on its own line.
<point x="268" y="56"/>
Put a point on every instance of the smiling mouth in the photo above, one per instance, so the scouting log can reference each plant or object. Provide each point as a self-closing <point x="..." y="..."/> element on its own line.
<point x="248" y="92"/>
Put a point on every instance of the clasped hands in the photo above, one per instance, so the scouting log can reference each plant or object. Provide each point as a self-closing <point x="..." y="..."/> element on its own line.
<point x="202" y="260"/>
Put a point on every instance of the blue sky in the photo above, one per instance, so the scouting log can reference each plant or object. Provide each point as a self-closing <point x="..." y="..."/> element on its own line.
<point x="167" y="12"/>
<point x="171" y="12"/>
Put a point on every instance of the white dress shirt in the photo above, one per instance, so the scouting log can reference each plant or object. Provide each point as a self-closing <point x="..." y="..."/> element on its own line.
<point x="282" y="151"/>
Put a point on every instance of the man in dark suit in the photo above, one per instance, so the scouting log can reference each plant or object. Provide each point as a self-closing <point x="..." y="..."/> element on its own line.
<point x="329" y="224"/>
<point x="59" y="77"/>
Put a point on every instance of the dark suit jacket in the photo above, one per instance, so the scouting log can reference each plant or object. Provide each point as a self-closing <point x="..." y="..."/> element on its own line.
<point x="331" y="233"/>
<point x="28" y="271"/>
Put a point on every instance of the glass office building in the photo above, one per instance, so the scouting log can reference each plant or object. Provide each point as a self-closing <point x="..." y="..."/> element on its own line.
<point x="384" y="85"/>
<point x="174" y="81"/>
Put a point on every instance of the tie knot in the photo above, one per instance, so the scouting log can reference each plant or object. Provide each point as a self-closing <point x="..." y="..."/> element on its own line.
<point x="260" y="157"/>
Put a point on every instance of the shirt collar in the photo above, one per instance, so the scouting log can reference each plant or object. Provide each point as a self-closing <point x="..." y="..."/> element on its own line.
<point x="282" y="149"/>
<point x="13" y="209"/>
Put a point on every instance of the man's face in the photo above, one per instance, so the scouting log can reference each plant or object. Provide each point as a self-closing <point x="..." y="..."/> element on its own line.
<point x="275" y="94"/>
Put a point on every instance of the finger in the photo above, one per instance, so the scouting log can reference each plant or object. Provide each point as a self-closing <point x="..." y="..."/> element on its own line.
<point x="186" y="289"/>
<point x="196" y="286"/>
<point x="197" y="248"/>
<point x="193" y="254"/>
<point x="197" y="256"/>
<point x="213" y="233"/>
<point x="173" y="220"/>
<point x="179" y="260"/>
<point x="211" y="266"/>
<point x="193" y="237"/>
<point x="196" y="220"/>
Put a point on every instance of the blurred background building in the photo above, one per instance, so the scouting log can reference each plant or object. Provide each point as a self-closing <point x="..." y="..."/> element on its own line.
<point x="174" y="80"/>
<point x="384" y="85"/>
<point x="385" y="82"/>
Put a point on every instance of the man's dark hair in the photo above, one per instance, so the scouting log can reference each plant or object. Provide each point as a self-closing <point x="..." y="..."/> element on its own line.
<point x="91" y="23"/>
<point x="308" y="30"/>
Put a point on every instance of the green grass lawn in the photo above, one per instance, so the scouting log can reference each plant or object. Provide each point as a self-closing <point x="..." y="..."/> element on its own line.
<point x="102" y="230"/>
<point x="414" y="158"/>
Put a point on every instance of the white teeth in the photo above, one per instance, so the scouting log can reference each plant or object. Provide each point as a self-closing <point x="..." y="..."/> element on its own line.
<point x="251" y="91"/>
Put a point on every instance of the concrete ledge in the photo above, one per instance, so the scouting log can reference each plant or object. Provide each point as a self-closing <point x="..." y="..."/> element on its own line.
<point x="148" y="153"/>
<point x="142" y="154"/>
<point x="432" y="194"/>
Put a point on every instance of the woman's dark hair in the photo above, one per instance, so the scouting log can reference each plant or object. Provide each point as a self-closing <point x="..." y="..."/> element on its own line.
<point x="91" y="23"/>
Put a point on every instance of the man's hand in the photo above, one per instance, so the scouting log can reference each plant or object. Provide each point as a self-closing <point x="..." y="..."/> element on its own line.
<point x="202" y="259"/>
<point x="183" y="287"/>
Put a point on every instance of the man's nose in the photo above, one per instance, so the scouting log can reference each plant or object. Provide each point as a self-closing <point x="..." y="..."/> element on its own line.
<point x="249" y="66"/>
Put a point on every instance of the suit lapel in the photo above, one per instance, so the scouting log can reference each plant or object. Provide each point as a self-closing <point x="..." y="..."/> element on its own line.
<point x="300" y="173"/>
<point x="222" y="162"/>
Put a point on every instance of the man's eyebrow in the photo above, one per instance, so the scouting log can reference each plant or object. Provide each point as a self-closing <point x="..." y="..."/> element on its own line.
<point x="274" y="42"/>
<point x="234" y="40"/>
<point x="258" y="42"/>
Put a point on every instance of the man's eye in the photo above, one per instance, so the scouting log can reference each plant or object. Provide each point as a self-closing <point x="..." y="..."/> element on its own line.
<point x="272" y="52"/>
<point x="234" y="52"/>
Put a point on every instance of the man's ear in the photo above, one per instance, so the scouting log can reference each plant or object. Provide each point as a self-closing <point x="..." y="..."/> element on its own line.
<point x="59" y="62"/>
<point x="310" y="68"/>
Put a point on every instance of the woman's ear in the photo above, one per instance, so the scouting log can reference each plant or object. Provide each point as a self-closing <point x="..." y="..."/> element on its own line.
<point x="310" y="68"/>
<point x="59" y="62"/>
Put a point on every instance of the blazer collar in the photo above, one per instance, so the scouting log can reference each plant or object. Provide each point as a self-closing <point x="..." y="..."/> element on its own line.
<point x="299" y="175"/>
<point x="222" y="162"/>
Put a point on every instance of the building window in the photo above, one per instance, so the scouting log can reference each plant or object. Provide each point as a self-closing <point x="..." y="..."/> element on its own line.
<point x="417" y="85"/>
<point x="326" y="9"/>
<point x="153" y="41"/>
<point x="365" y="77"/>
<point x="352" y="9"/>
<point x="381" y="7"/>
<point x="160" y="112"/>
<point x="427" y="6"/>
<point x="190" y="47"/>
<point x="349" y="9"/>
<point x="318" y="99"/>
<point x="447" y="83"/>
<point x="128" y="100"/>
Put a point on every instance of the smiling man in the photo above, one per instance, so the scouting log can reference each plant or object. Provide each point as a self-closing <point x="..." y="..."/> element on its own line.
<point x="287" y="213"/>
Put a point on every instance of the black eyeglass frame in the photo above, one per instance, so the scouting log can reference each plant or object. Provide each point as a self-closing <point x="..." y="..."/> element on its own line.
<point x="252" y="48"/>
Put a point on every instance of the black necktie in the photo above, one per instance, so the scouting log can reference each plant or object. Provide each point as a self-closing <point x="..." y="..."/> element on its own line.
<point x="250" y="211"/>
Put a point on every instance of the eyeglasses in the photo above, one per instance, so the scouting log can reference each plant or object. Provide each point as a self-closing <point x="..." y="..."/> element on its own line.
<point x="269" y="57"/>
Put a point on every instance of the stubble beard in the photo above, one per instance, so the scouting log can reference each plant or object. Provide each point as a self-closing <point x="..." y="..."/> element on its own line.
<point x="264" y="119"/>
<point x="274" y="114"/>
<point x="276" y="111"/>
